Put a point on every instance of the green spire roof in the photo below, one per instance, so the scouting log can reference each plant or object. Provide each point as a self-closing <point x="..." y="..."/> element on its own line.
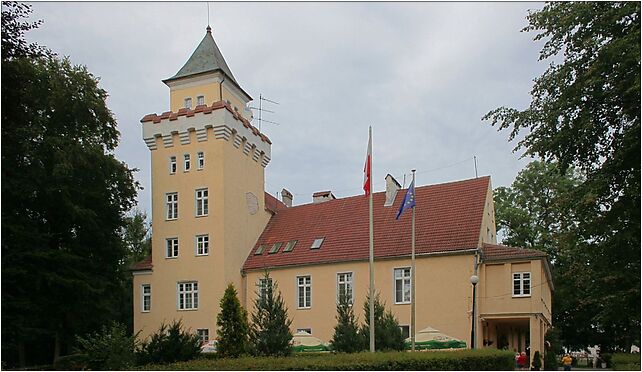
<point x="207" y="57"/>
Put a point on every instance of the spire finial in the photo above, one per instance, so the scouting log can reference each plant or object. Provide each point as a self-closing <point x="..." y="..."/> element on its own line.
<point x="209" y="29"/>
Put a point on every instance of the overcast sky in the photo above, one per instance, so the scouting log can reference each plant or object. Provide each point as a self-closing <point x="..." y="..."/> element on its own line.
<point x="421" y="74"/>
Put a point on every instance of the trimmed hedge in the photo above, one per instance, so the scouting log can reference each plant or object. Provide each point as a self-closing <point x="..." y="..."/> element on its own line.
<point x="626" y="362"/>
<point x="476" y="360"/>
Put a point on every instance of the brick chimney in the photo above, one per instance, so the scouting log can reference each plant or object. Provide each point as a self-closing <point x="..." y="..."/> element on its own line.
<point x="392" y="187"/>
<point x="286" y="197"/>
<point x="322" y="196"/>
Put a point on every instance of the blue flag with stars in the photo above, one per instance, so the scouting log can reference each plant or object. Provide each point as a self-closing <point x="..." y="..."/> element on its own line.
<point x="408" y="200"/>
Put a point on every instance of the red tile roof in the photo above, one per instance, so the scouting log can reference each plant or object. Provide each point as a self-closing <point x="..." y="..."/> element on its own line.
<point x="495" y="252"/>
<point x="448" y="218"/>
<point x="205" y="110"/>
<point x="145" y="264"/>
<point x="273" y="204"/>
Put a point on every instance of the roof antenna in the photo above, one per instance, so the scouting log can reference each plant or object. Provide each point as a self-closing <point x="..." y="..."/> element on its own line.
<point x="261" y="109"/>
<point x="208" y="16"/>
<point x="475" y="159"/>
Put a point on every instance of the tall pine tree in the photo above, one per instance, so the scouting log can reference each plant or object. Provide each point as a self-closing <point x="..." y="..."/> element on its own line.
<point x="346" y="333"/>
<point x="232" y="325"/>
<point x="270" y="331"/>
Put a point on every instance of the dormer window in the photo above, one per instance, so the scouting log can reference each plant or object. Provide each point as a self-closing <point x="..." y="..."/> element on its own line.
<point x="275" y="248"/>
<point x="316" y="244"/>
<point x="259" y="250"/>
<point x="188" y="103"/>
<point x="200" y="100"/>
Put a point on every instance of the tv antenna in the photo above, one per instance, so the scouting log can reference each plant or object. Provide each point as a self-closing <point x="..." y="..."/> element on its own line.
<point x="261" y="109"/>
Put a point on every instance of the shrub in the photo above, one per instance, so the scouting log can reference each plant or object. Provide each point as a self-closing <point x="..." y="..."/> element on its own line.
<point x="170" y="344"/>
<point x="270" y="331"/>
<point x="111" y="348"/>
<point x="232" y="325"/>
<point x="346" y="333"/>
<point x="625" y="362"/>
<point x="73" y="362"/>
<point x="474" y="360"/>
<point x="388" y="335"/>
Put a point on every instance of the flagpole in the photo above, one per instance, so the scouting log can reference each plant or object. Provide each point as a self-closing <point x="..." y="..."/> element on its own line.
<point x="412" y="272"/>
<point x="371" y="236"/>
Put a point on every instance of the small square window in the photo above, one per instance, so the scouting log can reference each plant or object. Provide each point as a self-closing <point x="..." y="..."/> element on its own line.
<point x="204" y="334"/>
<point x="188" y="103"/>
<point x="259" y="250"/>
<point x="290" y="246"/>
<point x="316" y="244"/>
<point x="200" y="100"/>
<point x="405" y="331"/>
<point x="275" y="248"/>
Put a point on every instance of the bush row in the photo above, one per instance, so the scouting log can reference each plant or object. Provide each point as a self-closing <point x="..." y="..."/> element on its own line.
<point x="625" y="362"/>
<point x="476" y="360"/>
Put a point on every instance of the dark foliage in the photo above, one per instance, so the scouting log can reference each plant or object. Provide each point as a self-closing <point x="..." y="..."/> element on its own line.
<point x="346" y="336"/>
<point x="270" y="333"/>
<point x="170" y="344"/>
<point x="113" y="348"/>
<point x="232" y="325"/>
<point x="388" y="335"/>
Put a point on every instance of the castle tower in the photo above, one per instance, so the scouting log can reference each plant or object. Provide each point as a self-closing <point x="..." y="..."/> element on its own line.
<point x="208" y="201"/>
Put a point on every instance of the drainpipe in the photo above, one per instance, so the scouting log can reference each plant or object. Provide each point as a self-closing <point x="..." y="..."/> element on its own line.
<point x="220" y="88"/>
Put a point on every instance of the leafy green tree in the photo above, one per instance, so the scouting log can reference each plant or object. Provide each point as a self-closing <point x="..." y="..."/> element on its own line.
<point x="585" y="113"/>
<point x="170" y="344"/>
<point x="388" y="335"/>
<point x="346" y="333"/>
<point x="113" y="348"/>
<point x="137" y="237"/>
<point x="64" y="199"/>
<point x="232" y="325"/>
<point x="270" y="330"/>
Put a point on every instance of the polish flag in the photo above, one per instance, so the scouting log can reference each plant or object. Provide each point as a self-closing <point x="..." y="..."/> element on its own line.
<point x="367" y="168"/>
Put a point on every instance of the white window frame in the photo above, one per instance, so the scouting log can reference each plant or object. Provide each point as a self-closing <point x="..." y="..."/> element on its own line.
<point x="317" y="243"/>
<point x="520" y="277"/>
<point x="171" y="206"/>
<point x="172" y="165"/>
<point x="304" y="286"/>
<point x="187" y="162"/>
<point x="171" y="247"/>
<point x="204" y="334"/>
<point x="201" y="199"/>
<point x="202" y="244"/>
<point x="348" y="282"/>
<point x="263" y="285"/>
<point x="200" y="160"/>
<point x="200" y="100"/>
<point x="187" y="103"/>
<point x="187" y="291"/>
<point x="145" y="295"/>
<point x="406" y="282"/>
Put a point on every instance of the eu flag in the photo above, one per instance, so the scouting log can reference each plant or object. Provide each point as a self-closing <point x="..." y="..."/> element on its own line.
<point x="408" y="200"/>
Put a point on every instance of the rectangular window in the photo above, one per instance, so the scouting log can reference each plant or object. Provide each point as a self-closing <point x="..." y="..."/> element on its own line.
<point x="172" y="248"/>
<point x="204" y="334"/>
<point x="201" y="202"/>
<point x="304" y="330"/>
<point x="188" y="103"/>
<point x="264" y="285"/>
<point x="146" y="291"/>
<point x="186" y="163"/>
<point x="171" y="205"/>
<point x="405" y="331"/>
<point x="521" y="284"/>
<point x="259" y="250"/>
<point x="200" y="100"/>
<point x="188" y="296"/>
<point x="316" y="244"/>
<point x="172" y="164"/>
<point x="200" y="159"/>
<point x="290" y="246"/>
<point x="304" y="285"/>
<point x="275" y="248"/>
<point x="344" y="286"/>
<point x="402" y="285"/>
<point x="202" y="245"/>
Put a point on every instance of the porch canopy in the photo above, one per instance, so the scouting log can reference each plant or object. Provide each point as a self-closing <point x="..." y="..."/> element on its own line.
<point x="430" y="338"/>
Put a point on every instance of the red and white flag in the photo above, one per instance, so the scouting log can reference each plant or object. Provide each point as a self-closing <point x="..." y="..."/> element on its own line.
<point x="367" y="168"/>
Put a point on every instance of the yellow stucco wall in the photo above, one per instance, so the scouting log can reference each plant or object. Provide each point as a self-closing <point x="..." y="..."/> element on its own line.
<point x="228" y="174"/>
<point x="210" y="91"/>
<point x="488" y="233"/>
<point x="443" y="295"/>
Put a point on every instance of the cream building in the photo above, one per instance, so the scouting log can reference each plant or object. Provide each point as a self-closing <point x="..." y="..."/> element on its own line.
<point x="214" y="224"/>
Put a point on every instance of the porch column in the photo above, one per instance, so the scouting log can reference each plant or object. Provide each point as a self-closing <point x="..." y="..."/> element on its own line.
<point x="536" y="336"/>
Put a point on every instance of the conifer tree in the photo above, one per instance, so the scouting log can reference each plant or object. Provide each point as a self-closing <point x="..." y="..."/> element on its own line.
<point x="346" y="332"/>
<point x="270" y="331"/>
<point x="232" y="325"/>
<point x="388" y="335"/>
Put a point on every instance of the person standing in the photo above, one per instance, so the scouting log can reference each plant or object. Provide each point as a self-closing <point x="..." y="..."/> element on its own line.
<point x="522" y="361"/>
<point x="566" y="362"/>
